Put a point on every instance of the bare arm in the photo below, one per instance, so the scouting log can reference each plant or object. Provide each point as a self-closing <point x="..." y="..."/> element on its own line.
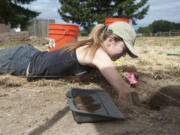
<point x="103" y="62"/>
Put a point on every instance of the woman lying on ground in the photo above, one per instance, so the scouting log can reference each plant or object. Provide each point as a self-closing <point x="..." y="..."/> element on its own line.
<point x="104" y="45"/>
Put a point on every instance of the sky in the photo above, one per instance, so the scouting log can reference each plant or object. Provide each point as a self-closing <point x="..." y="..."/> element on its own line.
<point x="159" y="9"/>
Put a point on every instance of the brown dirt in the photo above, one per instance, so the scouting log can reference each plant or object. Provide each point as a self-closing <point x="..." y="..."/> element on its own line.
<point x="85" y="103"/>
<point x="40" y="107"/>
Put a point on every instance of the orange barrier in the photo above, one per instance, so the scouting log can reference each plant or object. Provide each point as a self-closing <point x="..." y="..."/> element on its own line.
<point x="61" y="34"/>
<point x="111" y="20"/>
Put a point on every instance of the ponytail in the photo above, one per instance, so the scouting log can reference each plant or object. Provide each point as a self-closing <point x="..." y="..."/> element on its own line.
<point x="94" y="41"/>
<point x="96" y="34"/>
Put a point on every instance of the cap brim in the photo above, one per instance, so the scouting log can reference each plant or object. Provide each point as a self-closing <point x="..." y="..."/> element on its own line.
<point x="131" y="50"/>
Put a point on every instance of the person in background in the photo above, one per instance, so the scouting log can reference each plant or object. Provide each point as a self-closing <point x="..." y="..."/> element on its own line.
<point x="103" y="46"/>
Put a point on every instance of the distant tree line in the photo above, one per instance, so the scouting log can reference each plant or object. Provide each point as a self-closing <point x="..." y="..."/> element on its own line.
<point x="160" y="26"/>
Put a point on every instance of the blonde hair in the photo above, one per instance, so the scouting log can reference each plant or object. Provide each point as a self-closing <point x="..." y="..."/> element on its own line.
<point x="95" y="39"/>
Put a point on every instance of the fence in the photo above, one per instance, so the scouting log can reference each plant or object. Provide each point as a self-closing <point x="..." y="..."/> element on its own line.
<point x="4" y="28"/>
<point x="14" y="36"/>
<point x="40" y="28"/>
<point x="159" y="34"/>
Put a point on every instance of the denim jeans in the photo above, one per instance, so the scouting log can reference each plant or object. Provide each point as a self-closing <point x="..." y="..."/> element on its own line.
<point x="14" y="60"/>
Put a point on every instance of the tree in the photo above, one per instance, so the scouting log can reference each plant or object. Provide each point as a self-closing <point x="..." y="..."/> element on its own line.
<point x="88" y="12"/>
<point x="143" y="30"/>
<point x="161" y="26"/>
<point x="176" y="26"/>
<point x="131" y="9"/>
<point x="11" y="12"/>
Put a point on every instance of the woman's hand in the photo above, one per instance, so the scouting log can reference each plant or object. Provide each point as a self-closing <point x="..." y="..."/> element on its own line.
<point x="129" y="98"/>
<point x="108" y="69"/>
<point x="125" y="97"/>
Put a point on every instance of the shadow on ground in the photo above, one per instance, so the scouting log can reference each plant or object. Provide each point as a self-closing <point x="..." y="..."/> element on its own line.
<point x="41" y="129"/>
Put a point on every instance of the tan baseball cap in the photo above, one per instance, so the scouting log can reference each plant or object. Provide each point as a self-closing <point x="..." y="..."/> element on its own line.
<point x="127" y="33"/>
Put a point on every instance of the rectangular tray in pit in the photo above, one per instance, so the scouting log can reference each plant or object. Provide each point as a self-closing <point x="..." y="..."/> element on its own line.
<point x="105" y="108"/>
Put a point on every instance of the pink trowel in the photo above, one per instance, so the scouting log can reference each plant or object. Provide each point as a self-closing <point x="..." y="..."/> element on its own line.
<point x="131" y="78"/>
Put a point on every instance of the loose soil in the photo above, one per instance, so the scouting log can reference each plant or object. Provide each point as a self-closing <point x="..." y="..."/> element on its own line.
<point x="85" y="103"/>
<point x="40" y="107"/>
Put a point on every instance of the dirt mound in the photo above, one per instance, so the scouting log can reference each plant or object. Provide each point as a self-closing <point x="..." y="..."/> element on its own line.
<point x="166" y="96"/>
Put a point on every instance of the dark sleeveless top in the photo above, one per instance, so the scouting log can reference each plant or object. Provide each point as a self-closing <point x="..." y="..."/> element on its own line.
<point x="55" y="64"/>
